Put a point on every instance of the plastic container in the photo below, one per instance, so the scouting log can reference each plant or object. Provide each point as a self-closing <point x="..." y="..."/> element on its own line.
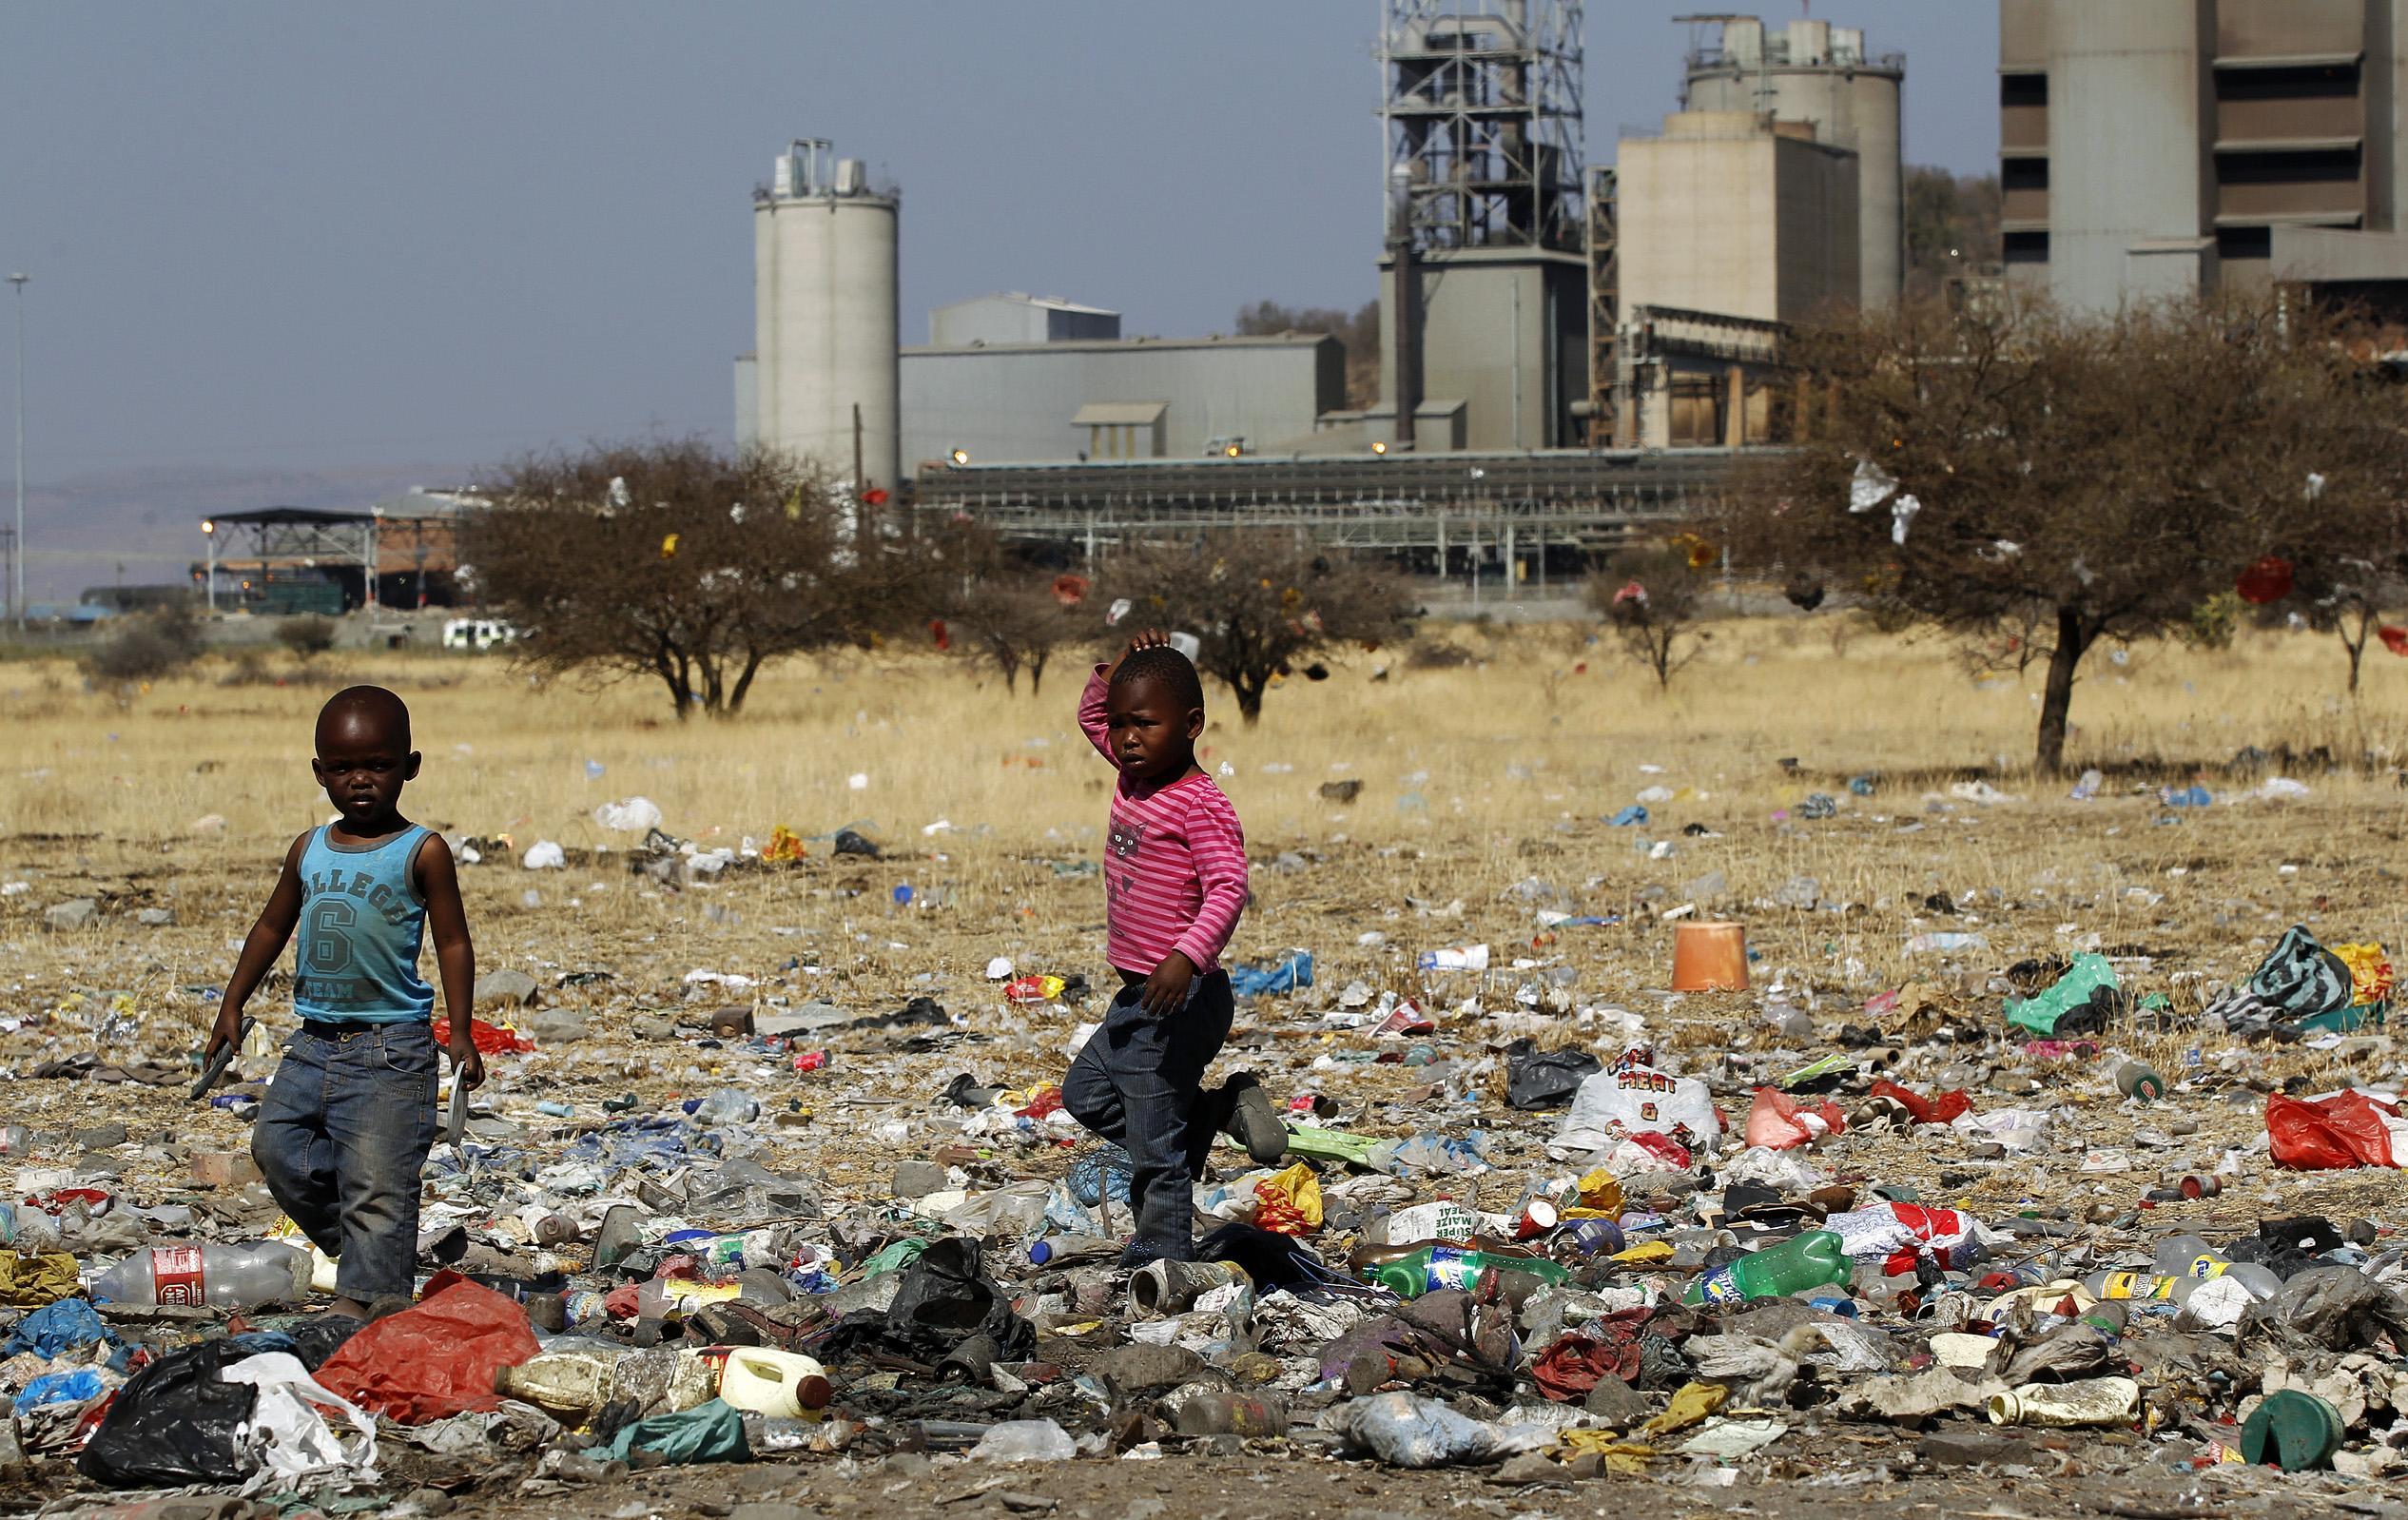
<point x="223" y="1277"/>
<point x="782" y="1383"/>
<point x="1816" y="1260"/>
<point x="1060" y="1251"/>
<point x="1592" y="1237"/>
<point x="2292" y="1430"/>
<point x="2140" y="1286"/>
<point x="1439" y="1266"/>
<point x="2187" y="1256"/>
<point x="2088" y="1401"/>
<point x="1710" y="957"/>
<point x="2135" y="1079"/>
<point x="1221" y="1414"/>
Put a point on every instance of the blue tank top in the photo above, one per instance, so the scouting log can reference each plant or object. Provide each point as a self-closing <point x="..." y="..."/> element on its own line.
<point x="361" y="924"/>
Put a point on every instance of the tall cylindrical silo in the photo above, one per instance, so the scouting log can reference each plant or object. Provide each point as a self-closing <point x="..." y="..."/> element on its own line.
<point x="1814" y="71"/>
<point x="825" y="315"/>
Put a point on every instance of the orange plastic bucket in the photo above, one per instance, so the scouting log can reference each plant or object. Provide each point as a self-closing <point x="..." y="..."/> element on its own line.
<point x="1709" y="957"/>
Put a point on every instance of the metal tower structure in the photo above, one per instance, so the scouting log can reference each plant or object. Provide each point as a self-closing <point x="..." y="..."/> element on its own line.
<point x="1481" y="110"/>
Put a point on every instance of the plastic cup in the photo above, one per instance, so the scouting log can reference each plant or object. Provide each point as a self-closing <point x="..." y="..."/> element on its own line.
<point x="1709" y="957"/>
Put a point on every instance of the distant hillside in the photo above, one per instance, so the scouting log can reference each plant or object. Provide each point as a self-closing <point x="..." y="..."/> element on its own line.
<point x="150" y="518"/>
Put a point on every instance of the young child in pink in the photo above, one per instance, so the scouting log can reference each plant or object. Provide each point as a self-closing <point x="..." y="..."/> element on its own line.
<point x="1175" y="883"/>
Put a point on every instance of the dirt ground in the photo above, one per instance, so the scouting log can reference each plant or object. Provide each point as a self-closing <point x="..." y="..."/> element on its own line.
<point x="1488" y="782"/>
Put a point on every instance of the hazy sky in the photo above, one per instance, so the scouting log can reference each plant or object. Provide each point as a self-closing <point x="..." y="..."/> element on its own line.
<point x="272" y="235"/>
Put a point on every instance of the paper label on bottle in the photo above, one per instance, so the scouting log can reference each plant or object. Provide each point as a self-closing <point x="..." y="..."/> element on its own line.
<point x="1720" y="1286"/>
<point x="175" y="1275"/>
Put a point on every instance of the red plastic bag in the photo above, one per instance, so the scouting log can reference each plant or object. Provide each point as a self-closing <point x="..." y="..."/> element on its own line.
<point x="1940" y="1110"/>
<point x="493" y="1040"/>
<point x="1779" y="1123"/>
<point x="434" y="1360"/>
<point x="2329" y="1134"/>
<point x="2264" y="580"/>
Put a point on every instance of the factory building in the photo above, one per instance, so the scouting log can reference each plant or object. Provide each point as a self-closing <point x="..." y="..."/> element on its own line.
<point x="1776" y="240"/>
<point x="1019" y="318"/>
<point x="1126" y="398"/>
<point x="1482" y="117"/>
<point x="1815" y="72"/>
<point x="2164" y="147"/>
<point x="822" y="380"/>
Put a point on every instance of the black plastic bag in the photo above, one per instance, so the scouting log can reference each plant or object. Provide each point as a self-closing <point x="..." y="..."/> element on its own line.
<point x="944" y="1299"/>
<point x="172" y="1424"/>
<point x="1544" y="1078"/>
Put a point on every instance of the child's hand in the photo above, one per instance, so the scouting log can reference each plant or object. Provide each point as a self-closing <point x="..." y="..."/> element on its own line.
<point x="226" y="1031"/>
<point x="1148" y="639"/>
<point x="1167" y="988"/>
<point x="468" y="1063"/>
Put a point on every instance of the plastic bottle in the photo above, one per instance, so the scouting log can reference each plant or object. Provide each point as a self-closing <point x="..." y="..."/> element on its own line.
<point x="2087" y="1401"/>
<point x="1363" y="1260"/>
<point x="2135" y="1079"/>
<point x="1434" y="1267"/>
<point x="782" y="1384"/>
<point x="2131" y="1285"/>
<point x="223" y="1277"/>
<point x="1060" y="1251"/>
<point x="2187" y="1256"/>
<point x="1814" y="1259"/>
<point x="1225" y="1413"/>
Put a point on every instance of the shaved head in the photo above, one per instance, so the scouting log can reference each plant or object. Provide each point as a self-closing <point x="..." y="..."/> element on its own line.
<point x="367" y="713"/>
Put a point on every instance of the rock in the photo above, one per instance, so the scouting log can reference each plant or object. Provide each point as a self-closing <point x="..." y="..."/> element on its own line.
<point x="1967" y="1448"/>
<point x="1802" y="893"/>
<point x="505" y="986"/>
<point x="915" y="1181"/>
<point x="430" y="1500"/>
<point x="770" y="1510"/>
<point x="556" y="1026"/>
<point x="1138" y="1368"/>
<point x="1616" y="1403"/>
<point x="156" y="918"/>
<point x="224" y="1168"/>
<point x="1341" y="792"/>
<point x="655" y="1029"/>
<point x="100" y="1136"/>
<point x="1530" y="1467"/>
<point x="77" y="913"/>
<point x="12" y="1453"/>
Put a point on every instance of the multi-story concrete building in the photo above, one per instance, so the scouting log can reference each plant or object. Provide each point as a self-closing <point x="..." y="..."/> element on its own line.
<point x="2162" y="147"/>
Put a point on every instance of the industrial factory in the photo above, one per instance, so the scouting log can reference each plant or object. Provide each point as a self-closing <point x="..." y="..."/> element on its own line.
<point x="1530" y="306"/>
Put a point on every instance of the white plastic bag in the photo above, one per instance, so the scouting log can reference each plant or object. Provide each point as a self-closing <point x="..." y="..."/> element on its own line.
<point x="543" y="855"/>
<point x="1622" y="1100"/>
<point x="292" y="1428"/>
<point x="635" y="815"/>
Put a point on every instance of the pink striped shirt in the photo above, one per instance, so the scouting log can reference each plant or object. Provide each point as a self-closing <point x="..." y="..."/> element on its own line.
<point x="1174" y="864"/>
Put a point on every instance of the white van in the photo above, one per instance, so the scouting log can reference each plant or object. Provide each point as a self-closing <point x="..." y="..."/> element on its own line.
<point x="476" y="633"/>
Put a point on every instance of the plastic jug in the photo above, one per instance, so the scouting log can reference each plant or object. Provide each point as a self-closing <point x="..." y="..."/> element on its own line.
<point x="782" y="1384"/>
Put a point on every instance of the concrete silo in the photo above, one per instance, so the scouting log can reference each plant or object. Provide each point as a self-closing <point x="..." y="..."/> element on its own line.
<point x="825" y="376"/>
<point x="1814" y="71"/>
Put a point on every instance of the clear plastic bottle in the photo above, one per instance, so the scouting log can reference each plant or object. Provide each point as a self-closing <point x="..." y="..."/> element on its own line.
<point x="2187" y="1256"/>
<point x="223" y="1277"/>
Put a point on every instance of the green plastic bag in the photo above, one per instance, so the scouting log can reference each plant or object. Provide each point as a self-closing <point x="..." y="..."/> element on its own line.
<point x="1330" y="1145"/>
<point x="2040" y="1014"/>
<point x="706" y="1432"/>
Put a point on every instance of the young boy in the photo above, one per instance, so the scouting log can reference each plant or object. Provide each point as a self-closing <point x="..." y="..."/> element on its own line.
<point x="350" y="1117"/>
<point x="1174" y="883"/>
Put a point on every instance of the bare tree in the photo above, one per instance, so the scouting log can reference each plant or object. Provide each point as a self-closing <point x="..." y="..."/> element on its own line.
<point x="683" y="563"/>
<point x="1015" y="623"/>
<point x="1650" y="596"/>
<point x="2118" y="471"/>
<point x="1259" y="601"/>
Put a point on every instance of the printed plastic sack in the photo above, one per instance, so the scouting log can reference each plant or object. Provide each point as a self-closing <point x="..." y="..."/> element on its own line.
<point x="1630" y="1098"/>
<point x="293" y="1425"/>
<point x="175" y="1422"/>
<point x="1897" y="1234"/>
<point x="1288" y="1202"/>
<point x="1779" y="1123"/>
<point x="2332" y="1134"/>
<point x="434" y="1360"/>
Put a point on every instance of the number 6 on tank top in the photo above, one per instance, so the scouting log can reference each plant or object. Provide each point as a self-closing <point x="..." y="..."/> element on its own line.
<point x="330" y="940"/>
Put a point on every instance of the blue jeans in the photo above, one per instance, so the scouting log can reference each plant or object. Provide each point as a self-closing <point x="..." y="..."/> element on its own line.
<point x="341" y="1137"/>
<point x="1138" y="1082"/>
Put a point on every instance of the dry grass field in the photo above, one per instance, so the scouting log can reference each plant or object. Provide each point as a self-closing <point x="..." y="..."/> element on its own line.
<point x="1489" y="758"/>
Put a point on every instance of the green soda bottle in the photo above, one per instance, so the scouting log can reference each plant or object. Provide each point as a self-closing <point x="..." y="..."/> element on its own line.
<point x="1445" y="1266"/>
<point x="1814" y="1259"/>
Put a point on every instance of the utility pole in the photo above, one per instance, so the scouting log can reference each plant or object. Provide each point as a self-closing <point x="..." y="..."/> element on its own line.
<point x="17" y="597"/>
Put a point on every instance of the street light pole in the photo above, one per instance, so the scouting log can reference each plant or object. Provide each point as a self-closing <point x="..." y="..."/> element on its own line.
<point x="17" y="598"/>
<point x="209" y="585"/>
